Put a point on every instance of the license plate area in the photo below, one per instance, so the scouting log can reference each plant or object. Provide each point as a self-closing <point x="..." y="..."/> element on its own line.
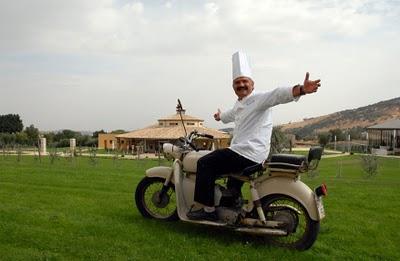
<point x="320" y="207"/>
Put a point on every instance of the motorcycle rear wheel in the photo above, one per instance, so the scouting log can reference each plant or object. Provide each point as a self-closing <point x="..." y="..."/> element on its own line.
<point x="302" y="230"/>
<point x="149" y="203"/>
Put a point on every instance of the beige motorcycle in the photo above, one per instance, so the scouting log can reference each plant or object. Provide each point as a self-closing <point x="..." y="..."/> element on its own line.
<point x="279" y="205"/>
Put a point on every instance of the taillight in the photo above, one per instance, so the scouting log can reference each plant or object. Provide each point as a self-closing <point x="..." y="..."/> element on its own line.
<point x="321" y="190"/>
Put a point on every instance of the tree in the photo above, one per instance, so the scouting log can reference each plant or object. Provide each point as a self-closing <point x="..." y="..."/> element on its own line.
<point x="11" y="123"/>
<point x="355" y="133"/>
<point x="7" y="138"/>
<point x="32" y="133"/>
<point x="340" y="135"/>
<point x="278" y="140"/>
<point x="370" y="165"/>
<point x="69" y="134"/>
<point x="21" y="138"/>
<point x="96" y="133"/>
<point x="118" y="131"/>
<point x="92" y="142"/>
<point x="82" y="140"/>
<point x="323" y="138"/>
<point x="65" y="135"/>
<point x="49" y="138"/>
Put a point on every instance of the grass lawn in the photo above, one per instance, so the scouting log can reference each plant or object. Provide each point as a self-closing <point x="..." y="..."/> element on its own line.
<point x="73" y="209"/>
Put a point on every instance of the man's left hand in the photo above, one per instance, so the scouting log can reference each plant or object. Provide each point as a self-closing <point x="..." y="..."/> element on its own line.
<point x="311" y="86"/>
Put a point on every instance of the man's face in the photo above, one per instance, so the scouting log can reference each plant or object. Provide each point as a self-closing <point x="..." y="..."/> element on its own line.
<point x="243" y="87"/>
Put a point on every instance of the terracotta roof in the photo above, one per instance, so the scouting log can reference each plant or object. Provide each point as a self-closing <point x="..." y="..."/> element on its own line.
<point x="387" y="125"/>
<point x="178" y="117"/>
<point x="157" y="132"/>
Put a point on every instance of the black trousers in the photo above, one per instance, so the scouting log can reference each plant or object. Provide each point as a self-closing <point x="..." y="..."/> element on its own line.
<point x="214" y="164"/>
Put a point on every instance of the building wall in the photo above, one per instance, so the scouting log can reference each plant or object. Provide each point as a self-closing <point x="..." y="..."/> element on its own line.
<point x="153" y="145"/>
<point x="106" y="141"/>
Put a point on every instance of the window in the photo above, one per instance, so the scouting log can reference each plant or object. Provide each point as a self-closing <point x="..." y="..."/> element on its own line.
<point x="111" y="141"/>
<point x="161" y="124"/>
<point x="173" y="124"/>
<point x="190" y="123"/>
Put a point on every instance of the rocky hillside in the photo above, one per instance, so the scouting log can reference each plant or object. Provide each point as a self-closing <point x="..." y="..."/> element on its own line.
<point x="354" y="118"/>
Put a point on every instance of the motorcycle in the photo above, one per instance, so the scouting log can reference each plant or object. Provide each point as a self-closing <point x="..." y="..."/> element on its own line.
<point x="280" y="206"/>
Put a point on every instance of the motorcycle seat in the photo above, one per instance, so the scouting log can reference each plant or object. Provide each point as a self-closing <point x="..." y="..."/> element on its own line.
<point x="287" y="161"/>
<point x="246" y="174"/>
<point x="278" y="161"/>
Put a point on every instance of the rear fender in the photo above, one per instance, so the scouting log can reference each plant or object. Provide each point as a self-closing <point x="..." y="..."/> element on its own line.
<point x="160" y="172"/>
<point x="290" y="187"/>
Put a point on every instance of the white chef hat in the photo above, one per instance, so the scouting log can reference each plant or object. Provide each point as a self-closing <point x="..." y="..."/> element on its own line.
<point x="240" y="65"/>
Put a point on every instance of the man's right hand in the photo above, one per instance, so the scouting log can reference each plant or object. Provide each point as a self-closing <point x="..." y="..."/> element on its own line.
<point x="217" y="115"/>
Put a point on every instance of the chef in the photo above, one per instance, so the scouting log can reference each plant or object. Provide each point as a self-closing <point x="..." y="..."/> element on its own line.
<point x="250" y="144"/>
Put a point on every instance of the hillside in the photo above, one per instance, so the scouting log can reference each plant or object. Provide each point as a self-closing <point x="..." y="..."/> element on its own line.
<point x="361" y="117"/>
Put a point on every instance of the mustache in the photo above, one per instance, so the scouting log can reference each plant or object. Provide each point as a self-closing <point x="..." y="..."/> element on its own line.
<point x="242" y="88"/>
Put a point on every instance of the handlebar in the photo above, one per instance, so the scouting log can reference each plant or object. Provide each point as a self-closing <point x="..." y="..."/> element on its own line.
<point x="208" y="136"/>
<point x="188" y="140"/>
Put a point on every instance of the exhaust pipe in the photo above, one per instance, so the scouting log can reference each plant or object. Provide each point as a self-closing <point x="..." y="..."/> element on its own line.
<point x="262" y="231"/>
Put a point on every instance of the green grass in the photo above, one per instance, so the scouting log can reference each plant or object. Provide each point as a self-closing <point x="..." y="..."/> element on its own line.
<point x="74" y="210"/>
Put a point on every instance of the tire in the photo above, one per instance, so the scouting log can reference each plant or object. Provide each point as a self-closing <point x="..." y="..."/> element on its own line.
<point x="145" y="197"/>
<point x="302" y="230"/>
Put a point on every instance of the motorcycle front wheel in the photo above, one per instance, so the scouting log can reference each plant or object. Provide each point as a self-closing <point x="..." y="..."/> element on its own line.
<point x="151" y="203"/>
<point x="302" y="230"/>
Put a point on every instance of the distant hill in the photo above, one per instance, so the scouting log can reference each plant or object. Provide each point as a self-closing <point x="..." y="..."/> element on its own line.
<point x="361" y="117"/>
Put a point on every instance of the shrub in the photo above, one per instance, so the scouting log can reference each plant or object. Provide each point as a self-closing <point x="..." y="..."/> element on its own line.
<point x="369" y="164"/>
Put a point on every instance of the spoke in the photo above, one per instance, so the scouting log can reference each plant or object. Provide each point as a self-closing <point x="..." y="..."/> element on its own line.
<point x="161" y="212"/>
<point x="301" y="227"/>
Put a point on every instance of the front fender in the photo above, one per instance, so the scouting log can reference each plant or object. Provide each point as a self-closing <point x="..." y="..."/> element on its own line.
<point x="291" y="187"/>
<point x="160" y="172"/>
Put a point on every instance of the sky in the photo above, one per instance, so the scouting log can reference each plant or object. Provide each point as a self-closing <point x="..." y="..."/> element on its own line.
<point x="120" y="64"/>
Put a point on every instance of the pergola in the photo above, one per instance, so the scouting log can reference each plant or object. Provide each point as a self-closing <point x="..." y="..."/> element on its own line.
<point x="385" y="136"/>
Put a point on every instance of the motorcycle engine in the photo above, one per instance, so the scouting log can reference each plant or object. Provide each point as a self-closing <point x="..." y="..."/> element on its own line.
<point x="230" y="205"/>
<point x="228" y="215"/>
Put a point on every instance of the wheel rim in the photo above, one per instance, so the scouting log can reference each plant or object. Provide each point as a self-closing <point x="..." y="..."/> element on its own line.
<point x="164" y="208"/>
<point x="288" y="210"/>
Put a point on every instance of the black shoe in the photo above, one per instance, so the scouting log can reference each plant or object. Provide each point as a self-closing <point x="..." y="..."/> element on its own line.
<point x="201" y="214"/>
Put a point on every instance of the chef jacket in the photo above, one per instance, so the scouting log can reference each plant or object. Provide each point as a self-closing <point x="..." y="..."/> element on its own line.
<point x="253" y="122"/>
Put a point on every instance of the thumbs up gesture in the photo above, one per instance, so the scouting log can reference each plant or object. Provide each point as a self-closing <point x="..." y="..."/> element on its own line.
<point x="217" y="115"/>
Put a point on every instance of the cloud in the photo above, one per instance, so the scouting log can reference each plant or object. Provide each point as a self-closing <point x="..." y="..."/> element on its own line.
<point x="211" y="8"/>
<point x="168" y="4"/>
<point x="102" y="26"/>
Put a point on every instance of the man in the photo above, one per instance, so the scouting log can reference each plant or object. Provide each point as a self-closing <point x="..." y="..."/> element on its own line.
<point x="251" y="136"/>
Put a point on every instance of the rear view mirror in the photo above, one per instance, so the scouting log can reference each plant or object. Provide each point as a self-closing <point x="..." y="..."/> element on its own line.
<point x="314" y="153"/>
<point x="314" y="156"/>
